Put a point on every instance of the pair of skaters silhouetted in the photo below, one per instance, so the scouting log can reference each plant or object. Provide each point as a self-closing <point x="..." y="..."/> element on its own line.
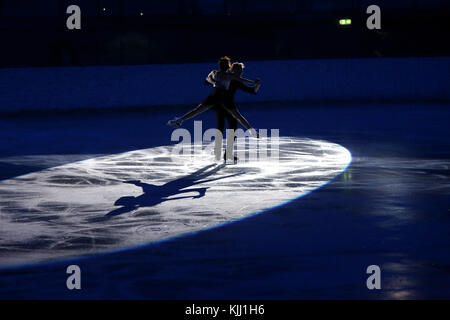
<point x="226" y="81"/>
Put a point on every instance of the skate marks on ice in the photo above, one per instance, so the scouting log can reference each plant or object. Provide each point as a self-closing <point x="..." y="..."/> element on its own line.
<point x="123" y="200"/>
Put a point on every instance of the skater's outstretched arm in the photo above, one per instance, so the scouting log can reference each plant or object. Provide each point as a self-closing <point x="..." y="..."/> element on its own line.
<point x="241" y="80"/>
<point x="250" y="89"/>
<point x="218" y="76"/>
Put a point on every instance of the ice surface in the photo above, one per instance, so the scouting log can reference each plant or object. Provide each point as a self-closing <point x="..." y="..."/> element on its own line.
<point x="122" y="200"/>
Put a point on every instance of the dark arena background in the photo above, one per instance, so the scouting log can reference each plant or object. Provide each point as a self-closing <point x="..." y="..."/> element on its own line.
<point x="97" y="203"/>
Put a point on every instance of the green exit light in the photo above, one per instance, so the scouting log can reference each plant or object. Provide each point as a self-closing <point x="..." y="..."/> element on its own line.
<point x="344" y="22"/>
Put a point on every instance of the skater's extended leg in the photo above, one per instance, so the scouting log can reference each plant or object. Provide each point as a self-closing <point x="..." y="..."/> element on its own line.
<point x="239" y="117"/>
<point x="229" y="153"/>
<point x="232" y="127"/>
<point x="232" y="122"/>
<point x="218" y="142"/>
<point x="220" y="119"/>
<point x="194" y="112"/>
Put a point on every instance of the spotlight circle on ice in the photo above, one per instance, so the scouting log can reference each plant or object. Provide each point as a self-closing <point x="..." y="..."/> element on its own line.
<point x="143" y="196"/>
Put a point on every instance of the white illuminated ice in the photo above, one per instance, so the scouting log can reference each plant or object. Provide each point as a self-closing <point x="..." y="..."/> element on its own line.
<point x="123" y="200"/>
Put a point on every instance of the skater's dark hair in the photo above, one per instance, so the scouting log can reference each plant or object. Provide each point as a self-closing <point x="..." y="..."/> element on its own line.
<point x="224" y="63"/>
